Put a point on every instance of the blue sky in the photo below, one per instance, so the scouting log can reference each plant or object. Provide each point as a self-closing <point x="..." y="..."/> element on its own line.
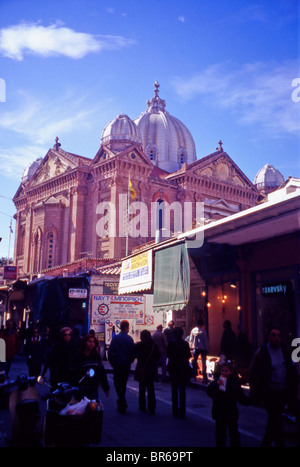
<point x="226" y="68"/>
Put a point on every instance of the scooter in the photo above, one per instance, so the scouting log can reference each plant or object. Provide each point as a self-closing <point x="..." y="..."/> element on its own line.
<point x="24" y="408"/>
<point x="72" y="419"/>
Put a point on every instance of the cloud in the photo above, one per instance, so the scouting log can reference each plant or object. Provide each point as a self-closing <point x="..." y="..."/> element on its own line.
<point x="16" y="159"/>
<point x="54" y="40"/>
<point x="37" y="121"/>
<point x="181" y="19"/>
<point x="257" y="93"/>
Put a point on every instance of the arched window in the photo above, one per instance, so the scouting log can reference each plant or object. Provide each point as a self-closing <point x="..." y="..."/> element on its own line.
<point x="50" y="250"/>
<point x="181" y="156"/>
<point x="151" y="153"/>
<point x="36" y="265"/>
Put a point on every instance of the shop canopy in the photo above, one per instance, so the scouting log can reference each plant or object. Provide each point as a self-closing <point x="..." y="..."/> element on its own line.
<point x="171" y="278"/>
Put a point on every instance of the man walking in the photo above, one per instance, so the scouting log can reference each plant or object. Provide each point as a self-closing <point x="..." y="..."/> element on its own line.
<point x="199" y="344"/>
<point x="121" y="354"/>
<point x="160" y="340"/>
<point x="272" y="382"/>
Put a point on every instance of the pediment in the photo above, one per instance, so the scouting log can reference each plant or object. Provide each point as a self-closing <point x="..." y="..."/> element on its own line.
<point x="220" y="167"/>
<point x="221" y="203"/>
<point x="131" y="154"/>
<point x="136" y="156"/>
<point x="51" y="200"/>
<point x="103" y="155"/>
<point x="54" y="164"/>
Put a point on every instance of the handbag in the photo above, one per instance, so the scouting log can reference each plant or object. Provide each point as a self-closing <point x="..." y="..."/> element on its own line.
<point x="140" y="371"/>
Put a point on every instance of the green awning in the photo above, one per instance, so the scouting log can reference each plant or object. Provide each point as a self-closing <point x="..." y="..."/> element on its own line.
<point x="171" y="278"/>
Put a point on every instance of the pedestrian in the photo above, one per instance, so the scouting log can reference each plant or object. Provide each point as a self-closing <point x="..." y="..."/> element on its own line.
<point x="12" y="343"/>
<point x="148" y="355"/>
<point x="34" y="351"/>
<point x="160" y="339"/>
<point x="272" y="382"/>
<point x="168" y="331"/>
<point x="61" y="356"/>
<point x="48" y="346"/>
<point x="87" y="369"/>
<point x="121" y="354"/>
<point x="225" y="392"/>
<point x="244" y="350"/>
<point x="180" y="372"/>
<point x="199" y="344"/>
<point x="228" y="341"/>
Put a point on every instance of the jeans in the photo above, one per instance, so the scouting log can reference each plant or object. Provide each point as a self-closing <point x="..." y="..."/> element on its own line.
<point x="178" y="398"/>
<point x="120" y="381"/>
<point x="149" y="388"/>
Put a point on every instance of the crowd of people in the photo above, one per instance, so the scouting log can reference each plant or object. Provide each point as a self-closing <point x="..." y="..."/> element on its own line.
<point x="274" y="380"/>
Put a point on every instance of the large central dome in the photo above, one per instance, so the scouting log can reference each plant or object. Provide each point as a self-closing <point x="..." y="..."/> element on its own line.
<point x="165" y="139"/>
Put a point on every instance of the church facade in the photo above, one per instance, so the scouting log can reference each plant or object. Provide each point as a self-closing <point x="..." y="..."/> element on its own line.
<point x="145" y="180"/>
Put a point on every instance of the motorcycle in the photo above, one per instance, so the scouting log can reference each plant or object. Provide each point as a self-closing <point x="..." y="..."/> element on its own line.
<point x="24" y="408"/>
<point x="71" y="418"/>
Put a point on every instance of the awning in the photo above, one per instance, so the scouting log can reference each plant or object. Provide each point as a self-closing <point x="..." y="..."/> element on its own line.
<point x="136" y="273"/>
<point x="171" y="278"/>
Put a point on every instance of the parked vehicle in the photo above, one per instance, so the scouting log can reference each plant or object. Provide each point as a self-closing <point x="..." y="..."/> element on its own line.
<point x="72" y="419"/>
<point x="23" y="401"/>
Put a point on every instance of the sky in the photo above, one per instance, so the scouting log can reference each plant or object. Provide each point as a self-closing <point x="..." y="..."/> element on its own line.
<point x="228" y="69"/>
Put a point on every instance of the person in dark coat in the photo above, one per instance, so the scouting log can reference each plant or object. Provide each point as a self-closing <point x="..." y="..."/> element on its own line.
<point x="272" y="381"/>
<point x="34" y="351"/>
<point x="225" y="392"/>
<point x="180" y="372"/>
<point x="121" y="354"/>
<point x="148" y="356"/>
<point x="88" y="358"/>
<point x="60" y="358"/>
<point x="228" y="341"/>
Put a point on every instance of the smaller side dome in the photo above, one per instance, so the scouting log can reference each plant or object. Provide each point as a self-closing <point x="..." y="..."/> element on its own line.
<point x="31" y="169"/>
<point x="120" y="129"/>
<point x="268" y="179"/>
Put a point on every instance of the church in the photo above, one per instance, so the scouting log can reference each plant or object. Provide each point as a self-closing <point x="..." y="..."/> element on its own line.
<point x="70" y="207"/>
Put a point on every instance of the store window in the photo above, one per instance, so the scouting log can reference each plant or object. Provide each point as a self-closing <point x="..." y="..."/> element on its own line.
<point x="275" y="306"/>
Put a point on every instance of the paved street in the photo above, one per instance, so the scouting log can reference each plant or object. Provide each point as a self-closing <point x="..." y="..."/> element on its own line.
<point x="162" y="430"/>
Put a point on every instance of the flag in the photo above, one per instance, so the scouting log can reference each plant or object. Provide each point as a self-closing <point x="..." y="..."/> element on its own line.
<point x="132" y="190"/>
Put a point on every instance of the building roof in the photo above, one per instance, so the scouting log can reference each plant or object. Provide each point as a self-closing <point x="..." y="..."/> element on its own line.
<point x="164" y="137"/>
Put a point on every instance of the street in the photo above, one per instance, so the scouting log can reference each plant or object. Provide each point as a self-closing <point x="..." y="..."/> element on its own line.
<point x="137" y="429"/>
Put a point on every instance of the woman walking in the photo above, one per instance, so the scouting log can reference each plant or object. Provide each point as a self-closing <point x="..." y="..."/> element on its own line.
<point x="179" y="370"/>
<point x="148" y="356"/>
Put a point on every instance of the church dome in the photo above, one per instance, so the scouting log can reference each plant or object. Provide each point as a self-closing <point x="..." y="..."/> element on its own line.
<point x="268" y="179"/>
<point x="30" y="170"/>
<point x="165" y="139"/>
<point x="121" y="129"/>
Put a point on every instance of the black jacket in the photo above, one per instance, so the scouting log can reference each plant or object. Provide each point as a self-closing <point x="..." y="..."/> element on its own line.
<point x="225" y="403"/>
<point x="79" y="366"/>
<point x="143" y="351"/>
<point x="260" y="371"/>
<point x="179" y="353"/>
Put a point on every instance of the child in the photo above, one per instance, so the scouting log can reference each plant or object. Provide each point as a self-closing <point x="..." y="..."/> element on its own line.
<point x="226" y="391"/>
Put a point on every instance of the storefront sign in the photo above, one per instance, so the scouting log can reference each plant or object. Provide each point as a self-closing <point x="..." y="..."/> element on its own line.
<point x="78" y="293"/>
<point x="117" y="307"/>
<point x="136" y="273"/>
<point x="275" y="289"/>
<point x="10" y="272"/>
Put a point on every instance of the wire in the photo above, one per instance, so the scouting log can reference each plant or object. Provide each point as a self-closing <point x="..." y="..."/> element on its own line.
<point x="5" y="214"/>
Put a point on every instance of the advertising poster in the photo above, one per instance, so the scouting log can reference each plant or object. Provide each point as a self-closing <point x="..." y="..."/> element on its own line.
<point x="136" y="273"/>
<point x="117" y="307"/>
